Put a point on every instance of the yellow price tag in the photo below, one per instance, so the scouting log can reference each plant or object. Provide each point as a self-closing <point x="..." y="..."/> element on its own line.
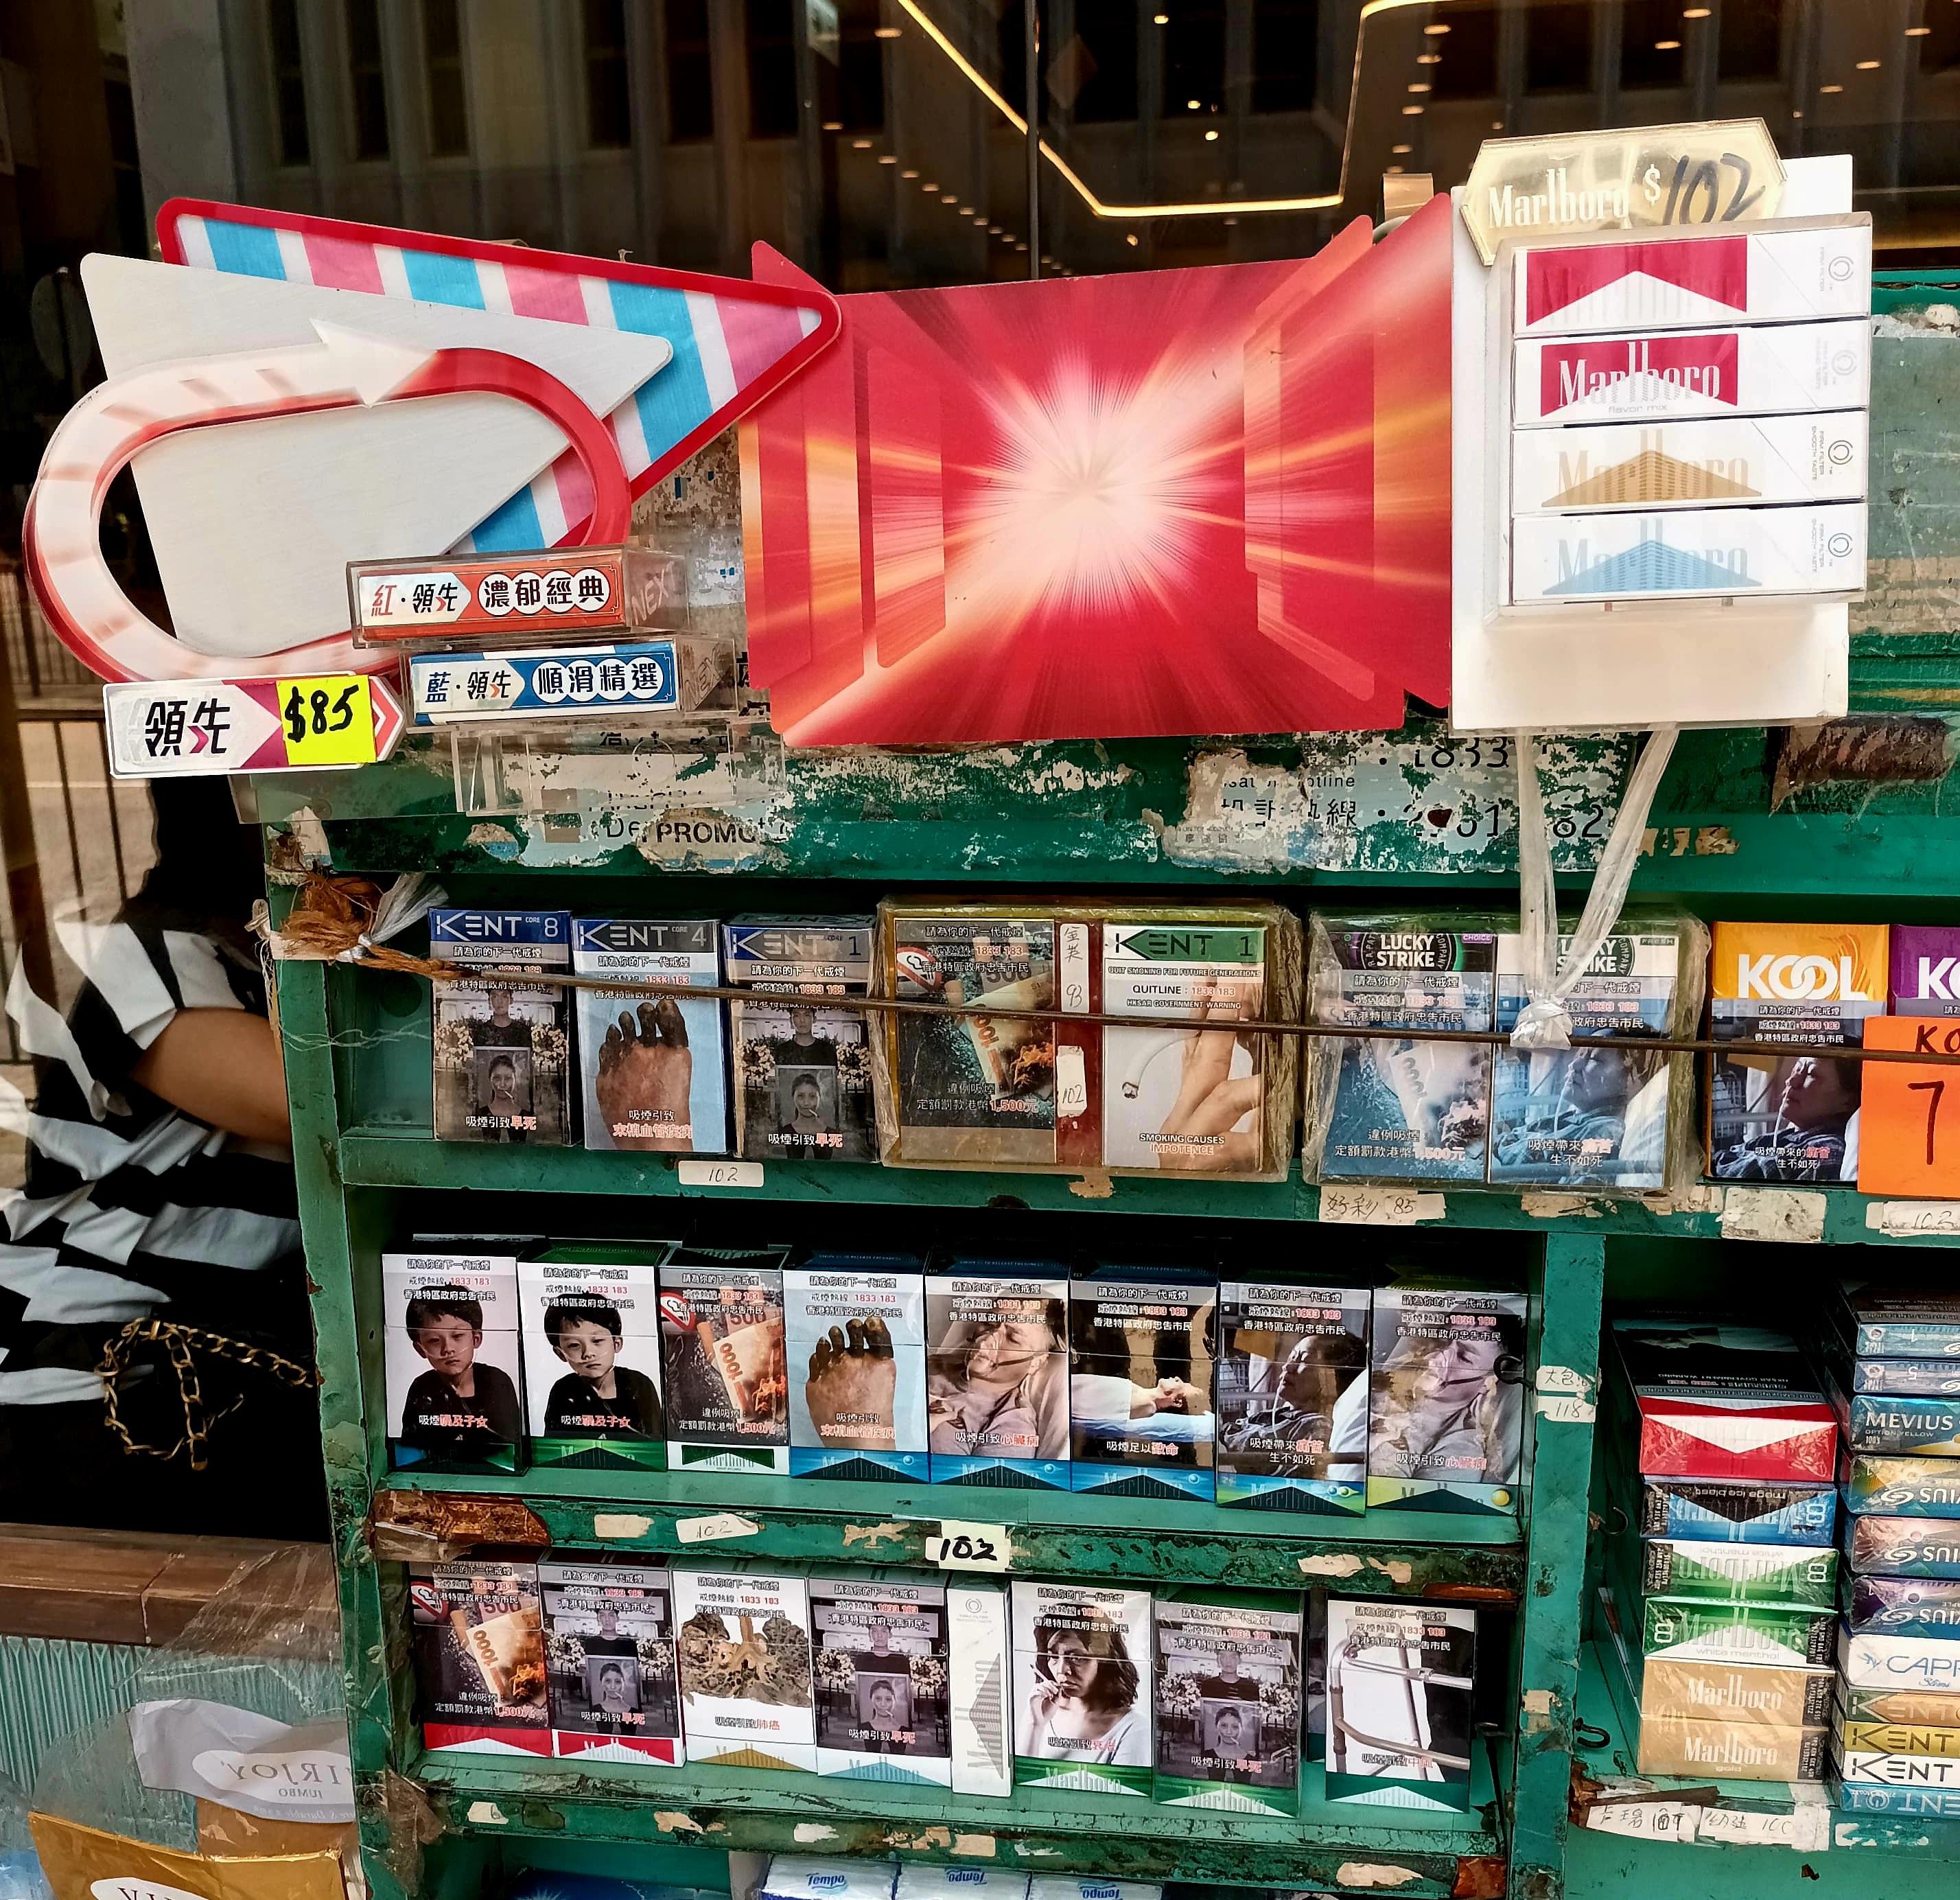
<point x="329" y="719"/>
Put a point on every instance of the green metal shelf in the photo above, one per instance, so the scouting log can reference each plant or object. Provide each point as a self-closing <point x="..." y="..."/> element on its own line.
<point x="1053" y="1533"/>
<point x="1412" y="1851"/>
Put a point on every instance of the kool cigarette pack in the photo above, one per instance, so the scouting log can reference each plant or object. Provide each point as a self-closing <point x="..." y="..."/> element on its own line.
<point x="1724" y="462"/>
<point x="1694" y="1629"/>
<point x="855" y="1329"/>
<point x="1809" y="987"/>
<point x="1717" y="1400"/>
<point x="1885" y="1322"/>
<point x="726" y="1359"/>
<point x="1082" y="1689"/>
<point x="592" y="1355"/>
<point x="476" y="1629"/>
<point x="997" y="1373"/>
<point x="1732" y="1751"/>
<point x="981" y="1662"/>
<point x="1712" y="1511"/>
<point x="1230" y="1694"/>
<point x="500" y="1047"/>
<point x="1898" y="1737"/>
<point x="1785" y="369"/>
<point x="1893" y="1426"/>
<point x="743" y="1641"/>
<point x="1903" y="1547"/>
<point x="1903" y="1605"/>
<point x="1040" y="1090"/>
<point x="1736" y="1695"/>
<point x="1876" y="1485"/>
<point x="1689" y="552"/>
<point x="1924" y="1708"/>
<point x="558" y="595"/>
<point x="451" y="1358"/>
<point x="1865" y="1797"/>
<point x="1873" y="1661"/>
<point x="609" y="1654"/>
<point x="1141" y="1422"/>
<point x="880" y="1666"/>
<point x="1739" y="1573"/>
<point x="1804" y="269"/>
<point x="1926" y="969"/>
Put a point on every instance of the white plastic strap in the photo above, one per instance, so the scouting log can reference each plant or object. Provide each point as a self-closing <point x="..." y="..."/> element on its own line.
<point x="1545" y="1022"/>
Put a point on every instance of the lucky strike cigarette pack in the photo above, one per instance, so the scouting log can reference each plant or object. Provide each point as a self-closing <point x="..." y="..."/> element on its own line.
<point x="1873" y="1661"/>
<point x="1723" y="462"/>
<point x="1808" y="986"/>
<point x="1739" y="1573"/>
<point x="1711" y="1511"/>
<point x="1925" y="972"/>
<point x="1876" y="1485"/>
<point x="1801" y="271"/>
<point x="1689" y="553"/>
<point x="1780" y="370"/>
<point x="1903" y="1547"/>
<point x="1736" y="1695"/>
<point x="1733" y="1751"/>
<point x="553" y="593"/>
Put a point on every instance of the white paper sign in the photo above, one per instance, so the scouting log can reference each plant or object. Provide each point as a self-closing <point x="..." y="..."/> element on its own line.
<point x="1379" y="1207"/>
<point x="709" y="1530"/>
<point x="696" y="1172"/>
<point x="961" y="1546"/>
<point x="1773" y="1214"/>
<point x="1902" y="1219"/>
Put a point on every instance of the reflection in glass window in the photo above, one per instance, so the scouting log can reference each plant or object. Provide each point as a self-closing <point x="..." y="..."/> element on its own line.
<point x="1286" y="53"/>
<point x="1558" y="47"/>
<point x="1095" y="75"/>
<point x="282" y="23"/>
<point x="608" y="114"/>
<point x="1749" y="39"/>
<point x="442" y="55"/>
<point x="859" y="102"/>
<point x="1463" y="62"/>
<point x="1652" y="53"/>
<point x="366" y="85"/>
<point x="690" y="87"/>
<point x="772" y="78"/>
<point x="1194" y="58"/>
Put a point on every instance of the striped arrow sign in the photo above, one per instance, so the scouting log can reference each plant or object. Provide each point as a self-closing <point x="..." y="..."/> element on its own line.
<point x="208" y="728"/>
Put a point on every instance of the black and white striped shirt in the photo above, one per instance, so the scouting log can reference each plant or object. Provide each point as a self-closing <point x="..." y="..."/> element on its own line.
<point x="130" y="1208"/>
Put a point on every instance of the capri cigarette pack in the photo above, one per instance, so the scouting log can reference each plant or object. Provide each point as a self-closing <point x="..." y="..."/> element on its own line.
<point x="1871" y="1661"/>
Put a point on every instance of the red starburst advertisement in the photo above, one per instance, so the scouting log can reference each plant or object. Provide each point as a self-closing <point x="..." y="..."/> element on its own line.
<point x="1212" y="500"/>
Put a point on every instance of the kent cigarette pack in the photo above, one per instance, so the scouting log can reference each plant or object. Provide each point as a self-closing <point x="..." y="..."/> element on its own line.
<point x="1940" y="1771"/>
<point x="500" y="1047"/>
<point x="1898" y="1737"/>
<point x="476" y="1629"/>
<point x="1739" y="1573"/>
<point x="1141" y="1422"/>
<point x="1865" y="1797"/>
<point x="1082" y="1689"/>
<point x="997" y="1373"/>
<point x="880" y="1665"/>
<point x="1903" y="1606"/>
<point x="1873" y="1661"/>
<point x="1732" y="1751"/>
<point x="1903" y="1547"/>
<point x="726" y="1358"/>
<point x="1787" y="369"/>
<point x="1737" y="1695"/>
<point x="1689" y="553"/>
<point x="609" y="1654"/>
<point x="1885" y="1322"/>
<point x="592" y="1355"/>
<point x="1711" y="1511"/>
<point x="1924" y="1708"/>
<point x="1876" y="1485"/>
<point x="743" y="1641"/>
<point x="553" y="593"/>
<point x="1692" y="1630"/>
<point x="856" y="1331"/>
<point x="1804" y="270"/>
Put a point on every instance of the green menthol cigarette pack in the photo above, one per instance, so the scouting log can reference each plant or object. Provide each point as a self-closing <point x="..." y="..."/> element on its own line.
<point x="1739" y="1573"/>
<point x="1776" y="1633"/>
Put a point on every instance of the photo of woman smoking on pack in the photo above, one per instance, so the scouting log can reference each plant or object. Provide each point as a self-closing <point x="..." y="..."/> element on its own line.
<point x="1082" y="1707"/>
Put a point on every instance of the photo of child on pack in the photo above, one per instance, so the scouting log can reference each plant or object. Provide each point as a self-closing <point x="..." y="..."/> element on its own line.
<point x="881" y="1678"/>
<point x="1447" y="1395"/>
<point x="1228" y="1702"/>
<point x="500" y="1051"/>
<point x="459" y="1383"/>
<point x="996" y="1375"/>
<point x="598" y="1397"/>
<point x="805" y="1082"/>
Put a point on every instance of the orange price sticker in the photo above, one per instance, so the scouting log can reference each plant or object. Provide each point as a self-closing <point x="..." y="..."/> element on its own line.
<point x="1909" y="1118"/>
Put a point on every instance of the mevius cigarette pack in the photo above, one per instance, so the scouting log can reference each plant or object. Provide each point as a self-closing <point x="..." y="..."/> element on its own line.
<point x="1140" y="1388"/>
<point x="592" y="1355"/>
<point x="802" y="1063"/>
<point x="653" y="1068"/>
<point x="1903" y="1605"/>
<point x="566" y="593"/>
<point x="1909" y="1378"/>
<point x="477" y="1634"/>
<point x="880" y="1666"/>
<point x="500" y="1048"/>
<point x="1712" y="1511"/>
<point x="1399" y="1107"/>
<point x="1689" y="552"/>
<point x="1903" y="1547"/>
<point x="1229" y="1697"/>
<point x="1787" y="369"/>
<point x="1876" y="1485"/>
<point x="1733" y="1751"/>
<point x="1893" y="1426"/>
<point x="1694" y="1629"/>
<point x="855" y="1327"/>
<point x="1925" y="1708"/>
<point x="1898" y="1737"/>
<point x="1446" y="1400"/>
<point x="1739" y="1573"/>
<point x="1082" y="1691"/>
<point x="1885" y="1322"/>
<point x="609" y="1654"/>
<point x="1723" y="462"/>
<point x="1865" y="1797"/>
<point x="997" y="1373"/>
<point x="1400" y="1682"/>
<point x="1736" y="1695"/>
<point x="743" y="1641"/>
<point x="1926" y="969"/>
<point x="1873" y="1661"/>
<point x="722" y="1346"/>
<point x="452" y="1359"/>
<point x="1293" y="1396"/>
<point x="1808" y="986"/>
<point x="1802" y="270"/>
<point x="982" y="1660"/>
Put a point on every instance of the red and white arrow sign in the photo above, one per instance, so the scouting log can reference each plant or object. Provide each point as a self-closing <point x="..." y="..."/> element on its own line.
<point x="204" y="728"/>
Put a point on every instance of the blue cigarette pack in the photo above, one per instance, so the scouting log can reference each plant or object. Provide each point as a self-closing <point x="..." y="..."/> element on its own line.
<point x="1717" y="1512"/>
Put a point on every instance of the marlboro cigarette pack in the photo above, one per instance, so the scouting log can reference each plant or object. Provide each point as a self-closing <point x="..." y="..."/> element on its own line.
<point x="1882" y="1322"/>
<point x="477" y="1632"/>
<point x="1876" y="1662"/>
<point x="1733" y="1751"/>
<point x="1739" y="1573"/>
<point x="1804" y="271"/>
<point x="1903" y="1606"/>
<point x="726" y="1358"/>
<point x="744" y="1643"/>
<point x="1069" y="1733"/>
<point x="1788" y="369"/>
<point x="1786" y="1635"/>
<point x="1876" y="1485"/>
<point x="883" y="1681"/>
<point x="556" y="594"/>
<point x="1903" y="1547"/>
<point x="1926" y="977"/>
<point x="1689" y="552"/>
<point x="609" y="1654"/>
<point x="1713" y="1512"/>
<point x="1738" y="1694"/>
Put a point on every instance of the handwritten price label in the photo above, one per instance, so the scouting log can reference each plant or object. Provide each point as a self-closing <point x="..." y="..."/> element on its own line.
<point x="1909" y="1124"/>
<point x="1379" y="1207"/>
<point x="695" y="1172"/>
<point x="328" y="719"/>
<point x="957" y="1546"/>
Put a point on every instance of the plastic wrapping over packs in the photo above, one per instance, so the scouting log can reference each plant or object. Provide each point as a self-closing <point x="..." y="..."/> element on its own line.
<point x="1429" y="1108"/>
<point x="20" y="1865"/>
<point x="229" y="1775"/>
<point x="955" y="1089"/>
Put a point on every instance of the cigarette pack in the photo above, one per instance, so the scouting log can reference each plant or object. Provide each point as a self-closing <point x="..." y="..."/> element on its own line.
<point x="745" y="1669"/>
<point x="1779" y="274"/>
<point x="1400" y="1682"/>
<point x="919" y="1880"/>
<point x="1733" y="1751"/>
<point x="1739" y="1573"/>
<point x="997" y="1373"/>
<point x="1873" y="1661"/>
<point x="1716" y="1400"/>
<point x="1082" y="1701"/>
<point x="452" y="1361"/>
<point x="1898" y="1737"/>
<point x="552" y="594"/>
<point x="1810" y="986"/>
<point x="882" y="1670"/>
<point x="855" y="1326"/>
<point x="1888" y="1322"/>
<point x="1735" y="1694"/>
<point x="1446" y="1400"/>
<point x="1722" y="461"/>
<point x="1903" y="1547"/>
<point x="1712" y="1512"/>
<point x="1400" y="1107"/>
<point x="1875" y="1485"/>
<point x="724" y="1352"/>
<point x="610" y="1655"/>
<point x="981" y="1660"/>
<point x="1924" y="1708"/>
<point x="1689" y="1629"/>
<point x="653" y="1068"/>
<point x="1139" y="1384"/>
<point x="789" y="1037"/>
<point x="502" y="1047"/>
<point x="1589" y="1117"/>
<point x="477" y="1632"/>
<point x="1865" y="1797"/>
<point x="796" y="1876"/>
<point x="1887" y="1770"/>
<point x="1895" y="1427"/>
<point x="1910" y="1378"/>
<point x="1903" y="1606"/>
<point x="1691" y="552"/>
<point x="1230" y="1694"/>
<point x="592" y="1355"/>
<point x="1926" y="969"/>
<point x="1788" y="369"/>
<point x="1293" y="1396"/>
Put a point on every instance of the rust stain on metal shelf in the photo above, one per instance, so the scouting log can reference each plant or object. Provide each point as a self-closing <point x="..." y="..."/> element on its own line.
<point x="1095" y="1186"/>
<point x="876" y="1534"/>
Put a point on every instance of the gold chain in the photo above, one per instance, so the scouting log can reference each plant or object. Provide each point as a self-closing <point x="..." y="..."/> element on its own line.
<point x="177" y="1341"/>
